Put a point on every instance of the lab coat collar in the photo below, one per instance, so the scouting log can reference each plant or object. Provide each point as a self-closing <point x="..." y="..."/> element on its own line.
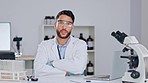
<point x="65" y="44"/>
<point x="68" y="49"/>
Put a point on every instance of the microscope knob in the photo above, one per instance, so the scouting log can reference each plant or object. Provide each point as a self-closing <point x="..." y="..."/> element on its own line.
<point x="135" y="74"/>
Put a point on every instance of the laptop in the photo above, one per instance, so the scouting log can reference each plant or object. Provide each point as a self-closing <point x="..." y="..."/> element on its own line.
<point x="118" y="69"/>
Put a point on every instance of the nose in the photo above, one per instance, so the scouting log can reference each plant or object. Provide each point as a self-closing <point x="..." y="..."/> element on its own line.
<point x="64" y="26"/>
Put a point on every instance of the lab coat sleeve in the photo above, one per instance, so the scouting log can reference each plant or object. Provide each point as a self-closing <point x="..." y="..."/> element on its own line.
<point x="77" y="64"/>
<point x="41" y="63"/>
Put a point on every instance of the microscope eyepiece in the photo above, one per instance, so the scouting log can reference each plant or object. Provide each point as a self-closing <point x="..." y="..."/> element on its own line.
<point x="113" y="34"/>
<point x="119" y="36"/>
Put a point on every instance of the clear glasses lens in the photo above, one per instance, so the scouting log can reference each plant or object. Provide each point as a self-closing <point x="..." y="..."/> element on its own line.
<point x="67" y="23"/>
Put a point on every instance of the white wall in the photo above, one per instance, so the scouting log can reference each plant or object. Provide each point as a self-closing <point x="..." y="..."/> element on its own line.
<point x="112" y="15"/>
<point x="144" y="20"/>
<point x="27" y="16"/>
<point x="135" y="21"/>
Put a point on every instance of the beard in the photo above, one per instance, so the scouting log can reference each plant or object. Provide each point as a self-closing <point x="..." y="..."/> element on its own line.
<point x="59" y="35"/>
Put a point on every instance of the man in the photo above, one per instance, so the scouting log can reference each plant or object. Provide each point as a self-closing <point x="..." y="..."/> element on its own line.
<point x="64" y="54"/>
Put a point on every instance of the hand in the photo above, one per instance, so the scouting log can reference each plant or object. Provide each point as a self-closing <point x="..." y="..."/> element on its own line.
<point x="67" y="74"/>
<point x="51" y="63"/>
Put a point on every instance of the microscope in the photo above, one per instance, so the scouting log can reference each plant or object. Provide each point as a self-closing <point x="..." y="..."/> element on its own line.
<point x="138" y="54"/>
<point x="17" y="40"/>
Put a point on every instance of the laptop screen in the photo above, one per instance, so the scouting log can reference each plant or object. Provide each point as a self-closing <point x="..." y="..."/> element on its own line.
<point x="5" y="36"/>
<point x="118" y="68"/>
<point x="119" y="65"/>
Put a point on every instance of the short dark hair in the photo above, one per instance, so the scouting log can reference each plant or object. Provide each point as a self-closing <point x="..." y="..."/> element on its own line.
<point x="66" y="12"/>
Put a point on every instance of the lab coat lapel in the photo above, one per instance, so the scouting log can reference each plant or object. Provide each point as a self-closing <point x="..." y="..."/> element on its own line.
<point x="69" y="48"/>
<point x="54" y="49"/>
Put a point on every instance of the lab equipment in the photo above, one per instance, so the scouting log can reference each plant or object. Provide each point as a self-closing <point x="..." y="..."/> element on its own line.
<point x="81" y="37"/>
<point x="46" y="37"/>
<point x="90" y="68"/>
<point x="17" y="40"/>
<point x="49" y="20"/>
<point x="90" y="42"/>
<point x="12" y="70"/>
<point x="136" y="72"/>
<point x="118" y="68"/>
<point x="31" y="78"/>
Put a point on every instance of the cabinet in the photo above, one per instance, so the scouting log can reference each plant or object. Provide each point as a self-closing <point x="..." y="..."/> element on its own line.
<point x="48" y="30"/>
<point x="29" y="63"/>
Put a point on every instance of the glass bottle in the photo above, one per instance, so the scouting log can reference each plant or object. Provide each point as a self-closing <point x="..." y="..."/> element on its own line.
<point x="90" y="68"/>
<point x="46" y="37"/>
<point x="81" y="37"/>
<point x="52" y="20"/>
<point x="47" y="20"/>
<point x="52" y="37"/>
<point x="90" y="42"/>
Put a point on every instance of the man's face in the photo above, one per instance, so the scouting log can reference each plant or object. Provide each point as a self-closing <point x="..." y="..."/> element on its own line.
<point x="64" y="26"/>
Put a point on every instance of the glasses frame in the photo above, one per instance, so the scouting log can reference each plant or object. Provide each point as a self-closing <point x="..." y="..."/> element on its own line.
<point x="68" y="24"/>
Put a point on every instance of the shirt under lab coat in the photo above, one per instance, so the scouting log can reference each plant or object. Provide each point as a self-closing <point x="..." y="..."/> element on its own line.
<point x="74" y="62"/>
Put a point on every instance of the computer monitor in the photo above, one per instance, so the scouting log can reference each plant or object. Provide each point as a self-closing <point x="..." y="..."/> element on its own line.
<point x="5" y="36"/>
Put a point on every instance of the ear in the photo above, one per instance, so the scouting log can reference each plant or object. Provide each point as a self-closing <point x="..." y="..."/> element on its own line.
<point x="73" y="26"/>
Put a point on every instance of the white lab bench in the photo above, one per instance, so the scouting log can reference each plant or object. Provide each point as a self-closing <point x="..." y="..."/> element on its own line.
<point x="57" y="79"/>
<point x="61" y="79"/>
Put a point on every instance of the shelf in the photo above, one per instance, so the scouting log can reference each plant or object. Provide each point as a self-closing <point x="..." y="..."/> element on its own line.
<point x="49" y="31"/>
<point x="48" y="25"/>
<point x="89" y="51"/>
<point x="25" y="58"/>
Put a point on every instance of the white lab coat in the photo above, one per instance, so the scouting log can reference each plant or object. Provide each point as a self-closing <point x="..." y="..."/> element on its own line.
<point x="75" y="58"/>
